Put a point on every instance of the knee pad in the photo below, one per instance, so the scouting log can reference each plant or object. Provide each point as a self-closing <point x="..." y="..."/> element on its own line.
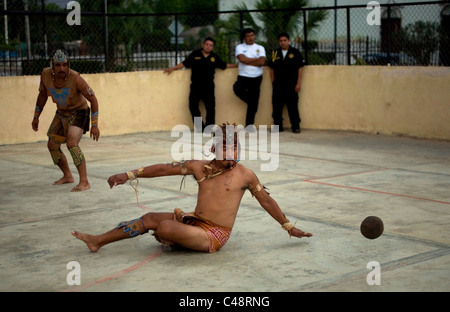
<point x="77" y="155"/>
<point x="56" y="156"/>
<point x="134" y="227"/>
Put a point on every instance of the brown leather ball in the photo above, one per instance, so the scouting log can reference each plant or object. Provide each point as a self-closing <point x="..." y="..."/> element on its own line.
<point x="372" y="227"/>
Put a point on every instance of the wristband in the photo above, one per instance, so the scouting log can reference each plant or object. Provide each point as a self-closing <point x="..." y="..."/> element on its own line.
<point x="130" y="175"/>
<point x="94" y="119"/>
<point x="287" y="225"/>
<point x="135" y="173"/>
<point x="37" y="112"/>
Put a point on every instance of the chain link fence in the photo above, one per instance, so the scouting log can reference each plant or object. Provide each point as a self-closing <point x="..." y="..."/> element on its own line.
<point x="114" y="37"/>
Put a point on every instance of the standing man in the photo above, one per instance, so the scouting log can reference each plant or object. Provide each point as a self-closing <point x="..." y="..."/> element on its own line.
<point x="69" y="91"/>
<point x="252" y="58"/>
<point x="203" y="63"/>
<point x="286" y="68"/>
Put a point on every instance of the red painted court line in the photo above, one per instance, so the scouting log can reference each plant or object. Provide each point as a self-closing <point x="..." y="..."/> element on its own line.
<point x="118" y="274"/>
<point x="347" y="174"/>
<point x="379" y="192"/>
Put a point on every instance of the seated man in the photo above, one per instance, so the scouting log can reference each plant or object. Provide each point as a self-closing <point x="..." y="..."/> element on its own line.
<point x="222" y="183"/>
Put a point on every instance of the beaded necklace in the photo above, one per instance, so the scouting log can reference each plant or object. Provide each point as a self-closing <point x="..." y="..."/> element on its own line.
<point x="64" y="82"/>
<point x="214" y="174"/>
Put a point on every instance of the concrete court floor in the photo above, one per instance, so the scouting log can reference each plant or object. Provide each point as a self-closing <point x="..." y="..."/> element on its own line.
<point x="327" y="181"/>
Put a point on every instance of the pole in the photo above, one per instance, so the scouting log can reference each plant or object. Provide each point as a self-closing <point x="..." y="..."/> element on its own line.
<point x="5" y="6"/>
<point x="335" y="31"/>
<point x="305" y="34"/>
<point x="105" y="29"/>
<point x="349" y="57"/>
<point x="45" y="29"/>
<point x="176" y="39"/>
<point x="389" y="25"/>
<point x="27" y="30"/>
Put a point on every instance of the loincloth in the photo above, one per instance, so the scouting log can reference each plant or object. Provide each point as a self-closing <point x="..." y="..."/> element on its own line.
<point x="217" y="234"/>
<point x="63" y="120"/>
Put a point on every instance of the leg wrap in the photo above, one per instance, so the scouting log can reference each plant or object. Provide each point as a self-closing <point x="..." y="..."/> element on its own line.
<point x="56" y="156"/>
<point x="134" y="227"/>
<point x="77" y="155"/>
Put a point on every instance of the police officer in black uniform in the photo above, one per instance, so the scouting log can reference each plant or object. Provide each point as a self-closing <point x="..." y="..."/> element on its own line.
<point x="286" y="68"/>
<point x="203" y="63"/>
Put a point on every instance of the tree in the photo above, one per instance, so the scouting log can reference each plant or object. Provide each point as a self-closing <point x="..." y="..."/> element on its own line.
<point x="420" y="40"/>
<point x="199" y="6"/>
<point x="274" y="17"/>
<point x="125" y="33"/>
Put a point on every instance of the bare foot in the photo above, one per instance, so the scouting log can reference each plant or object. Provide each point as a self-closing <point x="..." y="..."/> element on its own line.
<point x="81" y="187"/>
<point x="64" y="180"/>
<point x="88" y="239"/>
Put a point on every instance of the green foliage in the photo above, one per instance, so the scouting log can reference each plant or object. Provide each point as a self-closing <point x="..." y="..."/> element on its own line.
<point x="199" y="6"/>
<point x="33" y="67"/>
<point x="419" y="40"/>
<point x="320" y="58"/>
<point x="277" y="16"/>
<point x="87" y="67"/>
<point x="276" y="22"/>
<point x="10" y="46"/>
<point x="221" y="47"/>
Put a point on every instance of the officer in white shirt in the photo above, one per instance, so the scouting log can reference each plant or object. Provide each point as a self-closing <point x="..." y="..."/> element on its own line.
<point x="251" y="57"/>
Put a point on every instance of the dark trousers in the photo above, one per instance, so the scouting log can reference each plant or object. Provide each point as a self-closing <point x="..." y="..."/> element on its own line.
<point x="248" y="89"/>
<point x="285" y="95"/>
<point x="205" y="92"/>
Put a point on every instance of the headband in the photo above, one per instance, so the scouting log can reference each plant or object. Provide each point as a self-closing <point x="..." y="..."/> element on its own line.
<point x="59" y="57"/>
